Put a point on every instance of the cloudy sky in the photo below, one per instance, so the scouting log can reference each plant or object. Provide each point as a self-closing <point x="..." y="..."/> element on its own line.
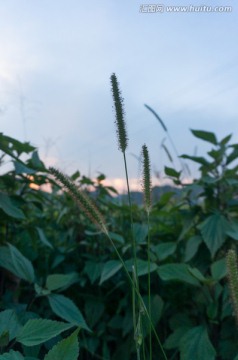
<point x="56" y="59"/>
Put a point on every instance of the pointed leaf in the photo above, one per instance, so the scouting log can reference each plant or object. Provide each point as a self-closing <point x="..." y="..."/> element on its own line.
<point x="219" y="269"/>
<point x="9" y="208"/>
<point x="142" y="266"/>
<point x="37" y="331"/>
<point x="174" y="339"/>
<point x="67" y="310"/>
<point x="232" y="231"/>
<point x="61" y="281"/>
<point x="195" y="344"/>
<point x="66" y="349"/>
<point x="177" y="272"/>
<point x="164" y="250"/>
<point x="43" y="238"/>
<point x="205" y="135"/>
<point x="192" y="246"/>
<point x="20" y="168"/>
<point x="140" y="232"/>
<point x="171" y="172"/>
<point x="198" y="159"/>
<point x="213" y="230"/>
<point x="9" y="322"/>
<point x="110" y="268"/>
<point x="116" y="237"/>
<point x="93" y="270"/>
<point x="12" y="260"/>
<point x="12" y="355"/>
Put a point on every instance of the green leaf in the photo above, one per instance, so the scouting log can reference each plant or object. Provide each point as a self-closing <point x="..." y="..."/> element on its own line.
<point x="142" y="266"/>
<point x="43" y="238"/>
<point x="36" y="162"/>
<point x="164" y="250"/>
<point x="218" y="269"/>
<point x="232" y="156"/>
<point x="4" y="338"/>
<point x="226" y="139"/>
<point x="93" y="270"/>
<point x="213" y="230"/>
<point x="31" y="351"/>
<point x="20" y="168"/>
<point x="192" y="246"/>
<point x="94" y="309"/>
<point x="9" y="144"/>
<point x="37" y="331"/>
<point x="197" y="159"/>
<point x="195" y="345"/>
<point x="66" y="349"/>
<point x="206" y="136"/>
<point x="12" y="260"/>
<point x="67" y="310"/>
<point x="140" y="232"/>
<point x="174" y="339"/>
<point x="157" y="306"/>
<point x="232" y="231"/>
<point x="40" y="291"/>
<point x="9" y="322"/>
<point x="197" y="274"/>
<point x="7" y="206"/>
<point x="171" y="172"/>
<point x="177" y="272"/>
<point x="61" y="281"/>
<point x="110" y="268"/>
<point x="12" y="355"/>
<point x="116" y="237"/>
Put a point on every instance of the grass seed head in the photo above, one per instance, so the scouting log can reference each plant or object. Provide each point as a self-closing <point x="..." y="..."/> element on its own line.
<point x="120" y="114"/>
<point x="146" y="179"/>
<point x="232" y="270"/>
<point x="81" y="198"/>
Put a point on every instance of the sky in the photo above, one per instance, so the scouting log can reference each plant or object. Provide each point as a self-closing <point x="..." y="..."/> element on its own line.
<point x="56" y="60"/>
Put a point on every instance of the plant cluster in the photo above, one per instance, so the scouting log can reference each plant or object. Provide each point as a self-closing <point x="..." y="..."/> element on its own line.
<point x="86" y="277"/>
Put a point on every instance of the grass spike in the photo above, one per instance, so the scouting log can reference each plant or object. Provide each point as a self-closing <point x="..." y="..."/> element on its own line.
<point x="232" y="270"/>
<point x="146" y="178"/>
<point x="120" y="114"/>
<point x="81" y="198"/>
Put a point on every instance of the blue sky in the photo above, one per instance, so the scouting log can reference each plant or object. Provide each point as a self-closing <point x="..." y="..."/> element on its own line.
<point x="55" y="64"/>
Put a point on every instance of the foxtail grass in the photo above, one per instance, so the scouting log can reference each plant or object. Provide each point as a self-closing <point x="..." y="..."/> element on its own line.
<point x="122" y="145"/>
<point x="232" y="270"/>
<point x="146" y="187"/>
<point x="95" y="215"/>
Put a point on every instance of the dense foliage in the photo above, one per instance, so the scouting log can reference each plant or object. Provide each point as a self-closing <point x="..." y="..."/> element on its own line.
<point x="64" y="294"/>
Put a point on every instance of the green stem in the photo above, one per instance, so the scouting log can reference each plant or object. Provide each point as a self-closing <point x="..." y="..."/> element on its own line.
<point x="131" y="218"/>
<point x="149" y="295"/>
<point x="138" y="294"/>
<point x="133" y="244"/>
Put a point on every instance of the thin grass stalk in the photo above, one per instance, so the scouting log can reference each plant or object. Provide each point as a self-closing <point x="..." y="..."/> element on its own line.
<point x="138" y="294"/>
<point x="168" y="135"/>
<point x="135" y="304"/>
<point x="149" y="286"/>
